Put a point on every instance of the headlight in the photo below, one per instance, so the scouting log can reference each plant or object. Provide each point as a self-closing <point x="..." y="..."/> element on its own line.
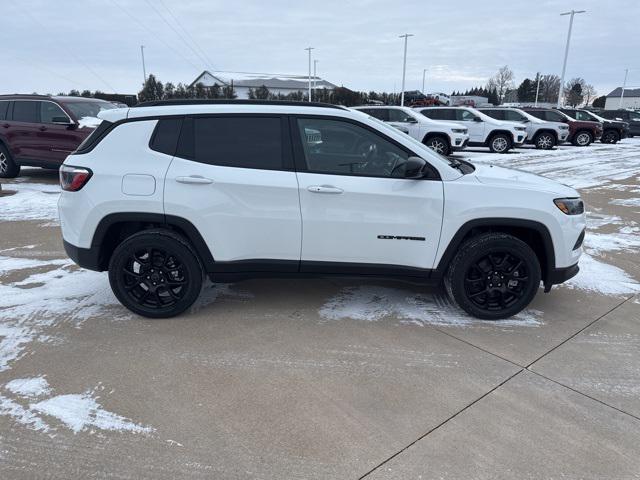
<point x="459" y="130"/>
<point x="520" y="129"/>
<point x="570" y="206"/>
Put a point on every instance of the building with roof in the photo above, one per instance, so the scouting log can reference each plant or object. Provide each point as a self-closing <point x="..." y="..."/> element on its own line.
<point x="630" y="99"/>
<point x="284" y="84"/>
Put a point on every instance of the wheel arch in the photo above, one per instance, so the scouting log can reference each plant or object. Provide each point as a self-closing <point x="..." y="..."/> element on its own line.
<point x="493" y="133"/>
<point x="115" y="227"/>
<point x="553" y="132"/>
<point x="533" y="233"/>
<point x="430" y="135"/>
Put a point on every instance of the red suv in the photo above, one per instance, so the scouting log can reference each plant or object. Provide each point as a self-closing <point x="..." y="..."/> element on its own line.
<point x="581" y="133"/>
<point x="40" y="131"/>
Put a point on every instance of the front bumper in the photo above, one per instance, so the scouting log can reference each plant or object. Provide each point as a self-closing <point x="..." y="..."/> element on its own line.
<point x="459" y="143"/>
<point x="560" y="275"/>
<point x="563" y="135"/>
<point x="519" y="138"/>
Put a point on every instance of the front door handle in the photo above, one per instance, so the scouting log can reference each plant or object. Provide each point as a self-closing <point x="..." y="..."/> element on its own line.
<point x="325" y="189"/>
<point x="194" y="179"/>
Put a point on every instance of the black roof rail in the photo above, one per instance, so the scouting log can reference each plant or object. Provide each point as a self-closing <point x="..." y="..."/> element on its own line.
<point x="196" y="101"/>
<point x="24" y="95"/>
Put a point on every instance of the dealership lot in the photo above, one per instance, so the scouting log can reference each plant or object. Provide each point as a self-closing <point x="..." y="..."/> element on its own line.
<point x="325" y="378"/>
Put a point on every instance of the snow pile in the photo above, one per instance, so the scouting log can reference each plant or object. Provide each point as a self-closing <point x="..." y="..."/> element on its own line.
<point x="600" y="277"/>
<point x="89" y="122"/>
<point x="374" y="303"/>
<point x="32" y="201"/>
<point x="78" y="412"/>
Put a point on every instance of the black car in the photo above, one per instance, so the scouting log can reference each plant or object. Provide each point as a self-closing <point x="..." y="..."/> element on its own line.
<point x="629" y="116"/>
<point x="613" y="130"/>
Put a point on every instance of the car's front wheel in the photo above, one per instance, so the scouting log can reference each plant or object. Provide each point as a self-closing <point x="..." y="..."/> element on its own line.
<point x="8" y="168"/>
<point x="583" y="139"/>
<point x="545" y="141"/>
<point x="610" y="136"/>
<point x="493" y="276"/>
<point x="500" y="143"/>
<point x="155" y="273"/>
<point x="438" y="144"/>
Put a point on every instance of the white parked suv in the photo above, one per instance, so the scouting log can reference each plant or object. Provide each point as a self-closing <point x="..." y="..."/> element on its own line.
<point x="484" y="131"/>
<point x="542" y="134"/>
<point x="441" y="137"/>
<point x="163" y="194"/>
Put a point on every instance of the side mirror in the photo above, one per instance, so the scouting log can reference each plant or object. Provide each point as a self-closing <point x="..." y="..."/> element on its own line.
<point x="414" y="167"/>
<point x="477" y="119"/>
<point x="410" y="120"/>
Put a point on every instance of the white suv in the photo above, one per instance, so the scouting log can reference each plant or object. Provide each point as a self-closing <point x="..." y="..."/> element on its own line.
<point x="161" y="195"/>
<point x="441" y="137"/>
<point x="484" y="131"/>
<point x="542" y="134"/>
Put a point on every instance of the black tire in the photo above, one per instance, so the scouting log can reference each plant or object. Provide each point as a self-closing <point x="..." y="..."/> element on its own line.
<point x="544" y="141"/>
<point x="8" y="168"/>
<point x="610" y="136"/>
<point x="493" y="276"/>
<point x="439" y="144"/>
<point x="582" y="138"/>
<point x="500" y="143"/>
<point x="155" y="273"/>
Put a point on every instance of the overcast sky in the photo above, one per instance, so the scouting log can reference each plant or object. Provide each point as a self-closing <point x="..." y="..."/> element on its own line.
<point x="51" y="46"/>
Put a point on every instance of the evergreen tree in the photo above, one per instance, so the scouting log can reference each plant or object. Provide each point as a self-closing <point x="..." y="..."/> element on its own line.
<point x="152" y="90"/>
<point x="169" y="91"/>
<point x="262" y="93"/>
<point x="527" y="91"/>
<point x="599" y="102"/>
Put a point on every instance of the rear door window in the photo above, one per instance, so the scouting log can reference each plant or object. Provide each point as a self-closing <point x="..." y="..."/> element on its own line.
<point x="554" y="116"/>
<point x="242" y="142"/>
<point x="25" y="111"/>
<point x="497" y="114"/>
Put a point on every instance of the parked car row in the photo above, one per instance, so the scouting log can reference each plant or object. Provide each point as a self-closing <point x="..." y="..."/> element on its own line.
<point x="41" y="130"/>
<point x="500" y="128"/>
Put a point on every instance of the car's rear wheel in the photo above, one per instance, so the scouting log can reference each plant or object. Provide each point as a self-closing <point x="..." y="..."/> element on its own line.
<point x="8" y="168"/>
<point x="610" y="136"/>
<point x="544" y="141"/>
<point x="493" y="276"/>
<point x="583" y="139"/>
<point x="155" y="273"/>
<point x="500" y="143"/>
<point x="438" y="144"/>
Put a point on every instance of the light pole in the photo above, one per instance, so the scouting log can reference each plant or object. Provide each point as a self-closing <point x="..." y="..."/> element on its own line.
<point x="624" y="84"/>
<point x="566" y="52"/>
<point x="315" y="75"/>
<point x="424" y="73"/>
<point x="404" y="65"/>
<point x="537" y="88"/>
<point x="144" y="69"/>
<point x="309" y="50"/>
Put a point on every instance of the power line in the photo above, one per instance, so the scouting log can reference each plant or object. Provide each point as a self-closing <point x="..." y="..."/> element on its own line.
<point x="204" y="54"/>
<point x="180" y="36"/>
<point x="151" y="32"/>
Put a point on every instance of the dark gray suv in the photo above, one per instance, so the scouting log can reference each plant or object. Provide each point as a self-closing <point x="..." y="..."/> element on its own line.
<point x="629" y="116"/>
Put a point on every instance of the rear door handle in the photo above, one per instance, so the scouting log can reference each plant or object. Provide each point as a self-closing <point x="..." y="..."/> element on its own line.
<point x="194" y="179"/>
<point x="43" y="128"/>
<point x="325" y="189"/>
<point x="5" y="125"/>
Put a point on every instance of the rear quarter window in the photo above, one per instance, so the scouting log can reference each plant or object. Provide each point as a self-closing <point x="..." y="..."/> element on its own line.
<point x="94" y="138"/>
<point x="165" y="136"/>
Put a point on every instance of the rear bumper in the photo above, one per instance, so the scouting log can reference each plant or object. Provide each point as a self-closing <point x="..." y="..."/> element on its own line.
<point x="88" y="258"/>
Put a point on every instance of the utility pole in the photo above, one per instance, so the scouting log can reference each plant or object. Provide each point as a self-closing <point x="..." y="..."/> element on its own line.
<point x="624" y="84"/>
<point x="309" y="50"/>
<point x="424" y="73"/>
<point x="566" y="52"/>
<point x="144" y="69"/>
<point x="537" y="88"/>
<point x="404" y="65"/>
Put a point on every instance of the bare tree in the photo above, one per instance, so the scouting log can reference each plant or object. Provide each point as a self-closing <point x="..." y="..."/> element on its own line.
<point x="549" y="88"/>
<point x="574" y="91"/>
<point x="502" y="81"/>
<point x="589" y="92"/>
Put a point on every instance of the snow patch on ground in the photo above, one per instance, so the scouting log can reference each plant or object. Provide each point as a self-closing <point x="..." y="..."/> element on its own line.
<point x="11" y="264"/>
<point x="32" y="201"/>
<point x="599" y="277"/>
<point x="374" y="303"/>
<point x="78" y="412"/>
<point x="29" y="387"/>
<point x="626" y="202"/>
<point x="627" y="240"/>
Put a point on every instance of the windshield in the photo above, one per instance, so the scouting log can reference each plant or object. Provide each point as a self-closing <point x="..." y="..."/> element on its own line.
<point x="88" y="108"/>
<point x="597" y="117"/>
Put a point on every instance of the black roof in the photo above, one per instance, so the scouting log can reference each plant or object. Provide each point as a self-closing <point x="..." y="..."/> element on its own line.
<point x="195" y="101"/>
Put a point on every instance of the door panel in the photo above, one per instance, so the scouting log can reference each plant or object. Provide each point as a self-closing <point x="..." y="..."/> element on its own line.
<point x="476" y="129"/>
<point x="242" y="213"/>
<point x="54" y="141"/>
<point x="22" y="129"/>
<point x="360" y="209"/>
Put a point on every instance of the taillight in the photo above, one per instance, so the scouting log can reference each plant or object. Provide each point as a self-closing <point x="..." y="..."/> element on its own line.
<point x="73" y="179"/>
